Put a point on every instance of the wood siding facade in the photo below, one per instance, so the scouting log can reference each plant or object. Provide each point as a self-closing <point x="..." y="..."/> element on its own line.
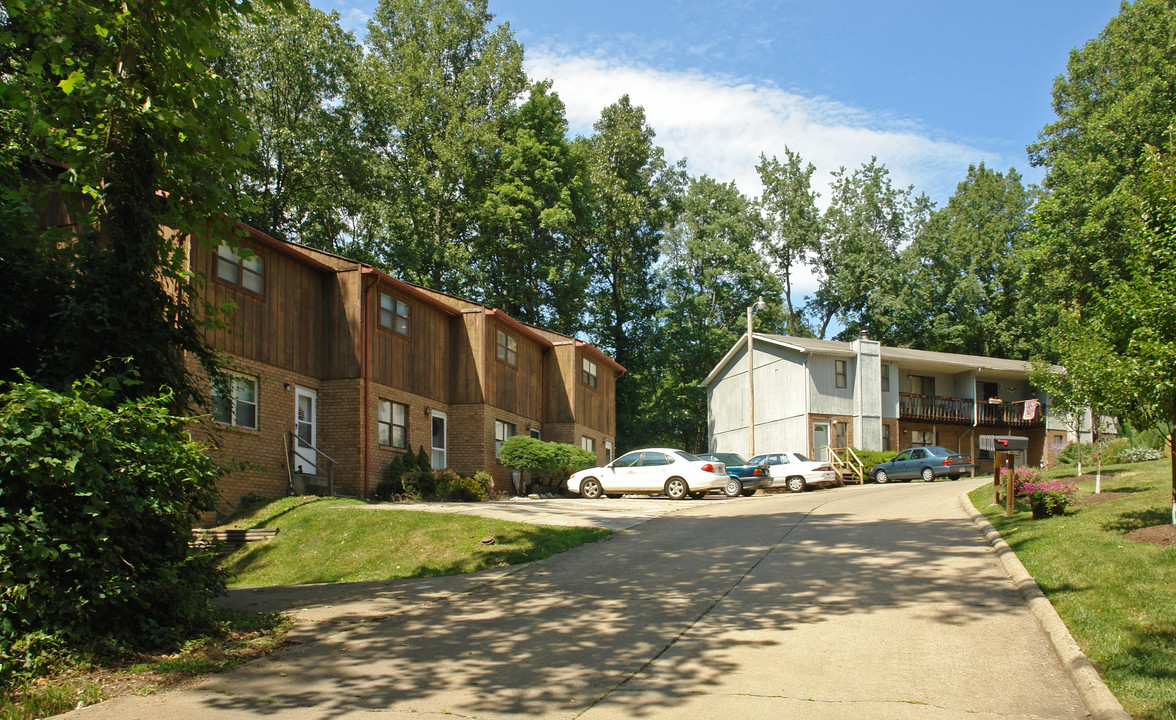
<point x="315" y="329"/>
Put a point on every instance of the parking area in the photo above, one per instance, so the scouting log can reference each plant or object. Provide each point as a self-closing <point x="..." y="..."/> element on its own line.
<point x="605" y="513"/>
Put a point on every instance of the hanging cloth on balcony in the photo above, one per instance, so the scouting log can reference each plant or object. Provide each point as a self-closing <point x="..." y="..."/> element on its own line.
<point x="1030" y="409"/>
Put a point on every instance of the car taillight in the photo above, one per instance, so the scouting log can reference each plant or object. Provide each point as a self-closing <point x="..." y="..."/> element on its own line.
<point x="947" y="461"/>
<point x="708" y="468"/>
<point x="823" y="468"/>
<point x="757" y="471"/>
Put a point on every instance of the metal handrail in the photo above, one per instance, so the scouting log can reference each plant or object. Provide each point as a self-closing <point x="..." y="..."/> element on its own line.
<point x="296" y="451"/>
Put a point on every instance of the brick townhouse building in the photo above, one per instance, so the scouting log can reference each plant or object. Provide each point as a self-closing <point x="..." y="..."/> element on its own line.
<point x="336" y="366"/>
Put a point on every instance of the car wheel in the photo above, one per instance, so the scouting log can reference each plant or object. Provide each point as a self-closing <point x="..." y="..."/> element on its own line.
<point x="928" y="475"/>
<point x="748" y="492"/>
<point x="733" y="488"/>
<point x="881" y="477"/>
<point x="697" y="495"/>
<point x="591" y="488"/>
<point x="796" y="484"/>
<point x="677" y="489"/>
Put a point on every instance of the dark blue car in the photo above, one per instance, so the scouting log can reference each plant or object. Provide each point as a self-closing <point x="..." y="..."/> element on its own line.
<point x="743" y="479"/>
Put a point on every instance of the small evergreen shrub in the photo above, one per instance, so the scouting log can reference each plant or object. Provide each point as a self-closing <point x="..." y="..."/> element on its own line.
<point x="451" y="487"/>
<point x="420" y="484"/>
<point x="870" y="458"/>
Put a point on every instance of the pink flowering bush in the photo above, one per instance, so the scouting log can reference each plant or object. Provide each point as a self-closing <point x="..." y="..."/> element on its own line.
<point x="1045" y="497"/>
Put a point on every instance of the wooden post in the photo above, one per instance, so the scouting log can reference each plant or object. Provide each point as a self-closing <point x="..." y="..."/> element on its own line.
<point x="1011" y="461"/>
<point x="997" y="462"/>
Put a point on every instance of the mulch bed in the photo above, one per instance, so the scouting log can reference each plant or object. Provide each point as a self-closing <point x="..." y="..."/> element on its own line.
<point x="1164" y="535"/>
<point x="1101" y="497"/>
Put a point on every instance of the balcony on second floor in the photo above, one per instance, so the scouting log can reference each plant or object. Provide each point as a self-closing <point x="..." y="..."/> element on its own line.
<point x="963" y="411"/>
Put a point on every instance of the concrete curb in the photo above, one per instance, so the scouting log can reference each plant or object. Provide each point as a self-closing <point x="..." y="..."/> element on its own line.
<point x="1099" y="700"/>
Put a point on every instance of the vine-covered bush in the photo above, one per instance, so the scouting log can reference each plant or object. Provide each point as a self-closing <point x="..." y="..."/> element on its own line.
<point x="96" y="507"/>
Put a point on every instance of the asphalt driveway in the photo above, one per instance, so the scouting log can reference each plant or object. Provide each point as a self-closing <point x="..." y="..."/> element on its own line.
<point x="876" y="601"/>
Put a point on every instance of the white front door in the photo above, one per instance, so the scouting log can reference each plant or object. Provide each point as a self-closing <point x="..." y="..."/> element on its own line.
<point x="440" y="459"/>
<point x="820" y="440"/>
<point x="305" y="430"/>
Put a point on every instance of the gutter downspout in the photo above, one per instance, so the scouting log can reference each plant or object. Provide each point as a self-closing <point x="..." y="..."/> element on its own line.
<point x="365" y="331"/>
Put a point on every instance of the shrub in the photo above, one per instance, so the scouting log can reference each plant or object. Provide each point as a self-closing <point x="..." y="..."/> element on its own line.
<point x="870" y="458"/>
<point x="420" y="484"/>
<point x="1075" y="452"/>
<point x="1045" y="497"/>
<point x="1133" y="454"/>
<point x="545" y="459"/>
<point x="96" y="508"/>
<point x="453" y="488"/>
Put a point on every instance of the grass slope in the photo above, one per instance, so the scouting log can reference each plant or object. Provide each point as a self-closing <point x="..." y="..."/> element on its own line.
<point x="341" y="540"/>
<point x="1117" y="597"/>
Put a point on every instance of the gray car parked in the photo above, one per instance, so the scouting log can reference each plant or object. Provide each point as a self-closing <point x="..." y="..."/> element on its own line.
<point x="925" y="462"/>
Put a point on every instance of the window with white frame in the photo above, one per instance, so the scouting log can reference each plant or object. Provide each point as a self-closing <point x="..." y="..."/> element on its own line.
<point x="243" y="269"/>
<point x="608" y="451"/>
<point x="234" y="402"/>
<point x="588" y="443"/>
<point x="503" y="431"/>
<point x="841" y="373"/>
<point x="508" y="349"/>
<point x="535" y="433"/>
<point x="588" y="374"/>
<point x="395" y="314"/>
<point x="393" y="424"/>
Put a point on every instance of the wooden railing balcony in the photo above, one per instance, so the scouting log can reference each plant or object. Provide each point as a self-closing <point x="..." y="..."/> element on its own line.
<point x="959" y="411"/>
<point x="935" y="409"/>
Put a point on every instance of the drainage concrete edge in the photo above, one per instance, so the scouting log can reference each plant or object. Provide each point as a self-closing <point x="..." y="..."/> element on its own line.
<point x="1099" y="700"/>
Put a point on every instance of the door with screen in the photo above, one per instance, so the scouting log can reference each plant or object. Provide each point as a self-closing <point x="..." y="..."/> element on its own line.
<point x="439" y="434"/>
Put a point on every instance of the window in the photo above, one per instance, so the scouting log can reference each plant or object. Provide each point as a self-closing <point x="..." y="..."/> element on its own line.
<point x="608" y="452"/>
<point x="234" y="269"/>
<point x="536" y="434"/>
<point x="841" y="373"/>
<point x="885" y="377"/>
<point x="588" y="375"/>
<point x="235" y="401"/>
<point x="922" y="438"/>
<point x="654" y="459"/>
<point x="508" y="349"/>
<point x="885" y="437"/>
<point x="922" y="385"/>
<point x="629" y="460"/>
<point x="588" y="444"/>
<point x="503" y="431"/>
<point x="393" y="424"/>
<point x="395" y="314"/>
<point x="839" y="430"/>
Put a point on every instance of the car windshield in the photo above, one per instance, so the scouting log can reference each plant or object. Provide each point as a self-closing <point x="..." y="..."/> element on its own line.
<point x="687" y="456"/>
<point x="757" y="460"/>
<point x="727" y="458"/>
<point x="940" y="451"/>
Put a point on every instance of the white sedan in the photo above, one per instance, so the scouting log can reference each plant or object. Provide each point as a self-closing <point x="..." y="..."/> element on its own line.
<point x="676" y="473"/>
<point x="795" y="471"/>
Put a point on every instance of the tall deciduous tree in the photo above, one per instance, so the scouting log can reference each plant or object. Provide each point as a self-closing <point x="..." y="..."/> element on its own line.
<point x="114" y="109"/>
<point x="634" y="194"/>
<point x="962" y="274"/>
<point x="867" y="222"/>
<point x="711" y="272"/>
<point x="534" y="205"/>
<point x="442" y="81"/>
<point x="1118" y="94"/>
<point x="295" y="71"/>
<point x="793" y="222"/>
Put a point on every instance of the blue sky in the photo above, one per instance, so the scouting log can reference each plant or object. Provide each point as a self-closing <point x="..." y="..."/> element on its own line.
<point x="928" y="87"/>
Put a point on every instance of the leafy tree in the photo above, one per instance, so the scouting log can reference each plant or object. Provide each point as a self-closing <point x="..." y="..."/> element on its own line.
<point x="634" y="195"/>
<point x="963" y="272"/>
<point x="793" y="222"/>
<point x="545" y="459"/>
<point x="296" y="72"/>
<point x="1118" y="95"/>
<point x="866" y="223"/>
<point x="441" y="82"/>
<point x="711" y="273"/>
<point x="533" y="206"/>
<point x="1121" y="346"/>
<point x="116" y="125"/>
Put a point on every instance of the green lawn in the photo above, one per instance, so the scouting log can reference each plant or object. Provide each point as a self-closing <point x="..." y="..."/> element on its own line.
<point x="1117" y="597"/>
<point x="337" y="540"/>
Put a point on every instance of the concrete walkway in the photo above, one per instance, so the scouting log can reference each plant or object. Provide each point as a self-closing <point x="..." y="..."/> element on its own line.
<point x="860" y="602"/>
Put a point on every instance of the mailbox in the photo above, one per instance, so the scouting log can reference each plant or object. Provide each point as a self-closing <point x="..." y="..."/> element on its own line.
<point x="1003" y="443"/>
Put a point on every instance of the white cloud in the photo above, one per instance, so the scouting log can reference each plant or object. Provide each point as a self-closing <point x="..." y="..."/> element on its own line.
<point x="721" y="125"/>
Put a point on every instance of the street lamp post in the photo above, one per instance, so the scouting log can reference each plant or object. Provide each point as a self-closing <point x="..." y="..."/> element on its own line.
<point x="759" y="305"/>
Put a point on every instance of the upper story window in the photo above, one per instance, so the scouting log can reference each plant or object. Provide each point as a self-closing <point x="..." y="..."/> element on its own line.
<point x="922" y="385"/>
<point x="508" y="349"/>
<point x="588" y="374"/>
<point x="395" y="314"/>
<point x="234" y="402"/>
<point x="841" y="373"/>
<point x="235" y="269"/>
<point x="885" y="377"/>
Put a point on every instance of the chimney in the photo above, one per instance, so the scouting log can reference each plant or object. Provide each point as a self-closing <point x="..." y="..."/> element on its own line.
<point x="865" y="335"/>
